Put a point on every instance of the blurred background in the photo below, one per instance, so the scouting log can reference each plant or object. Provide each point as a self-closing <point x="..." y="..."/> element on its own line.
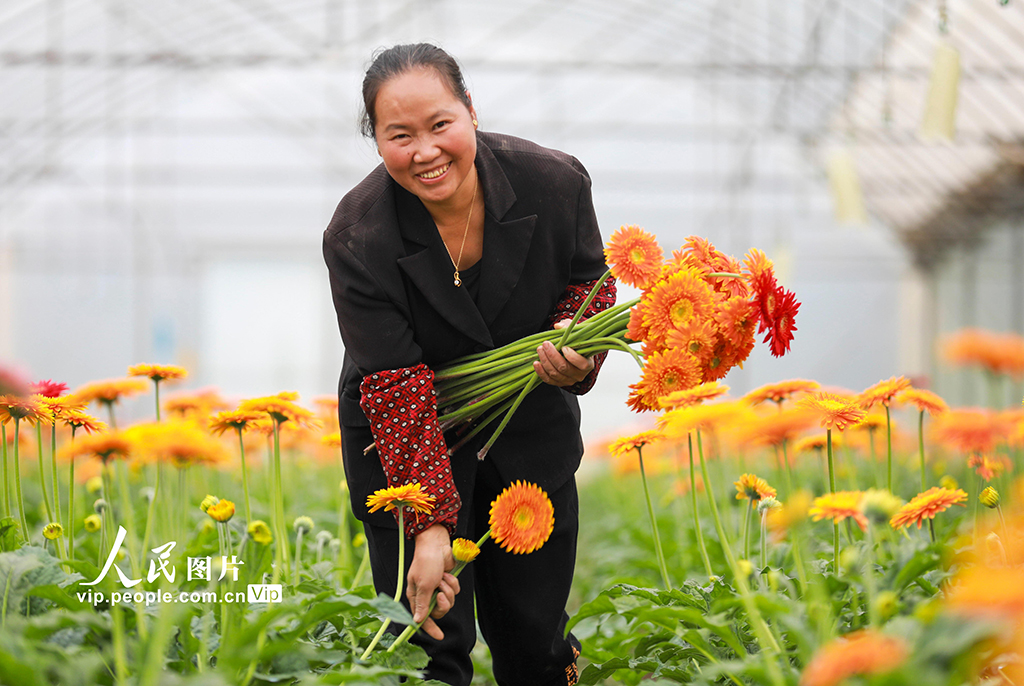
<point x="168" y="169"/>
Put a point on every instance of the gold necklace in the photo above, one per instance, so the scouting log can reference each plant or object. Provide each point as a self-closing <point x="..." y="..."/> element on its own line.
<point x="455" y="263"/>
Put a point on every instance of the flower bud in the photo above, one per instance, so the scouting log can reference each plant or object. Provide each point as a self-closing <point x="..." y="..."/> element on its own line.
<point x="148" y="493"/>
<point x="303" y="524"/>
<point x="208" y="502"/>
<point x="359" y="540"/>
<point x="879" y="505"/>
<point x="989" y="497"/>
<point x="221" y="511"/>
<point x="949" y="483"/>
<point x="94" y="485"/>
<point x="323" y="537"/>
<point x="93" y="523"/>
<point x="260" y="532"/>
<point x="99" y="506"/>
<point x="745" y="568"/>
<point x="53" y="531"/>
<point x="886" y="604"/>
<point x="464" y="550"/>
<point x="768" y="503"/>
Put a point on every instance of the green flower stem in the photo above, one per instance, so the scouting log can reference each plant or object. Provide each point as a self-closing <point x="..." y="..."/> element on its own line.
<point x="920" y="448"/>
<point x="412" y="629"/>
<point x="17" y="479"/>
<point x="150" y="516"/>
<point x="696" y="514"/>
<point x="278" y="499"/>
<point x="298" y="558"/>
<point x="832" y="489"/>
<point x="869" y="579"/>
<point x="182" y="500"/>
<point x="6" y="491"/>
<point x="764" y="539"/>
<point x="480" y="426"/>
<point x="245" y="475"/>
<point x="54" y="472"/>
<point x="71" y="503"/>
<point x="746" y="529"/>
<point x="128" y="514"/>
<point x="42" y="472"/>
<point x="119" y="648"/>
<point x="761" y="630"/>
<point x="654" y="524"/>
<point x="364" y="564"/>
<point x="398" y="586"/>
<point x="156" y="396"/>
<point x="487" y="384"/>
<point x="888" y="439"/>
<point x="789" y="467"/>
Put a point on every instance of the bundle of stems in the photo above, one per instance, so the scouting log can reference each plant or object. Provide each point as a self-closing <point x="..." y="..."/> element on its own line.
<point x="479" y="389"/>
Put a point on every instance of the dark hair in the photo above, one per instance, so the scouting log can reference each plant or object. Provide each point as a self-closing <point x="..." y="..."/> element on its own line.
<point x="394" y="61"/>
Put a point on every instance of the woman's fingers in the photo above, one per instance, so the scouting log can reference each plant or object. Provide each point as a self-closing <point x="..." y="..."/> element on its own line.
<point x="561" y="369"/>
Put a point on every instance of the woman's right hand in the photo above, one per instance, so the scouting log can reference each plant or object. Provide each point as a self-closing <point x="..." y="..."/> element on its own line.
<point x="428" y="573"/>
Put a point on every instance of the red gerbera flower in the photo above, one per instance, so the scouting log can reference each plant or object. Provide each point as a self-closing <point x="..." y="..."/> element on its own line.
<point x="49" y="388"/>
<point x="782" y="324"/>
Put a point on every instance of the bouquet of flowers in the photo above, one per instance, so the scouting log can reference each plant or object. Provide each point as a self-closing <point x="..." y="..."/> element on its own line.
<point x="696" y="318"/>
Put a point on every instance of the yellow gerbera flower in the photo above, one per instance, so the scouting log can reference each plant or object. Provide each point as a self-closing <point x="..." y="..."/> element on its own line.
<point x="409" y="495"/>
<point x="158" y="372"/>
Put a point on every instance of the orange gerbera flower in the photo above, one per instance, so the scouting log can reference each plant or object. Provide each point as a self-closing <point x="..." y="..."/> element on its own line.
<point x="409" y="495"/>
<point x="664" y="373"/>
<point x="622" y="446"/>
<point x="926" y="505"/>
<point x="695" y="395"/>
<point x="180" y="442"/>
<point x="281" y="409"/>
<point x="883" y="392"/>
<point x="30" y="409"/>
<point x="76" y="419"/>
<point x="698" y="339"/>
<point x="969" y="430"/>
<point x="816" y="442"/>
<point x="838" y="506"/>
<point x="997" y="353"/>
<point x="233" y="420"/>
<point x="774" y="428"/>
<point x="60" y="406"/>
<point x="753" y="487"/>
<point x="195" y="403"/>
<point x="780" y="391"/>
<point x="464" y="550"/>
<point x="834" y="412"/>
<point x="332" y="440"/>
<point x="988" y="466"/>
<point x="756" y="263"/>
<point x="865" y="653"/>
<point x="634" y="257"/>
<point x="704" y="417"/>
<point x="109" y="391"/>
<point x="158" y="372"/>
<point x="988" y="591"/>
<point x="103" y="446"/>
<point x="675" y="302"/>
<point x="522" y="518"/>
<point x="737" y="323"/>
<point x="923" y="399"/>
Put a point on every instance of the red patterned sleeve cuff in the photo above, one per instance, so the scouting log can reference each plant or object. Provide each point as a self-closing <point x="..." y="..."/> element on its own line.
<point x="570" y="302"/>
<point x="402" y="408"/>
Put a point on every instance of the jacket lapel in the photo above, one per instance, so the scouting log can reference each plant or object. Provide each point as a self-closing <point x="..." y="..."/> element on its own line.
<point x="506" y="238"/>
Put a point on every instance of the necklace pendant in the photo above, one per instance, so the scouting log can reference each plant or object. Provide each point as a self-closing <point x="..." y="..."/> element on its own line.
<point x="458" y="281"/>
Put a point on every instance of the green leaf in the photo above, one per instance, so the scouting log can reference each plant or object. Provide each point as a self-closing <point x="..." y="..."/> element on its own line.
<point x="59" y="597"/>
<point x="10" y="534"/>
<point x="922" y="561"/>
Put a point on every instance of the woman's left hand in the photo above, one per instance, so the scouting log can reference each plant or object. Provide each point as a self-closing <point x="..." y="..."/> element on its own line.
<point x="561" y="369"/>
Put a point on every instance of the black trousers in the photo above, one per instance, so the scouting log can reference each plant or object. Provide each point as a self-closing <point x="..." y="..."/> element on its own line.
<point x="520" y="599"/>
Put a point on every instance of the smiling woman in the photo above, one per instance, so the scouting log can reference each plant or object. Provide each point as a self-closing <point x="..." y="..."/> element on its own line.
<point x="462" y="241"/>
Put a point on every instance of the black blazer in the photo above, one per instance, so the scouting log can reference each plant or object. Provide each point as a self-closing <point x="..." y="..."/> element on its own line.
<point x="391" y="279"/>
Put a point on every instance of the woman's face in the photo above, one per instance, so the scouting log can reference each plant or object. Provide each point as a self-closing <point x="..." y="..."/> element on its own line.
<point x="426" y="136"/>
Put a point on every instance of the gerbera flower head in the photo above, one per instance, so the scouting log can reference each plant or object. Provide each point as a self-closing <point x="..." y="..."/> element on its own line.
<point x="76" y="419"/>
<point x="838" y="506"/>
<point x="775" y="428"/>
<point x="464" y="550"/>
<point x="926" y="505"/>
<point x="781" y="390"/>
<point x="863" y="653"/>
<point x="833" y="411"/>
<point x="179" y="442"/>
<point x="13" y="383"/>
<point x="756" y="264"/>
<point x="697" y="338"/>
<point x="706" y="417"/>
<point x="737" y="323"/>
<point x="281" y="409"/>
<point x="753" y="487"/>
<point x="331" y="440"/>
<point x="676" y="302"/>
<point x="259" y="531"/>
<point x="199" y="403"/>
<point x="634" y="257"/>
<point x="409" y="495"/>
<point x="923" y="399"/>
<point x="158" y="372"/>
<point x="109" y="391"/>
<point x="59" y="406"/>
<point x="664" y="373"/>
<point x="996" y="353"/>
<point x="522" y="518"/>
<point x="988" y="467"/>
<point x="102" y="446"/>
<point x="792" y="512"/>
<point x="782" y="323"/>
<point x="694" y="396"/>
<point x="883" y="392"/>
<point x="221" y="511"/>
<point x="623" y="446"/>
<point x="30" y="409"/>
<point x="48" y="388"/>
<point x="879" y="505"/>
<point x="988" y="591"/>
<point x="232" y="420"/>
<point x="817" y="442"/>
<point x="969" y="430"/>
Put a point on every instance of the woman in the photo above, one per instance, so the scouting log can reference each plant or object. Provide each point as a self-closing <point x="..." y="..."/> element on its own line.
<point x="460" y="242"/>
